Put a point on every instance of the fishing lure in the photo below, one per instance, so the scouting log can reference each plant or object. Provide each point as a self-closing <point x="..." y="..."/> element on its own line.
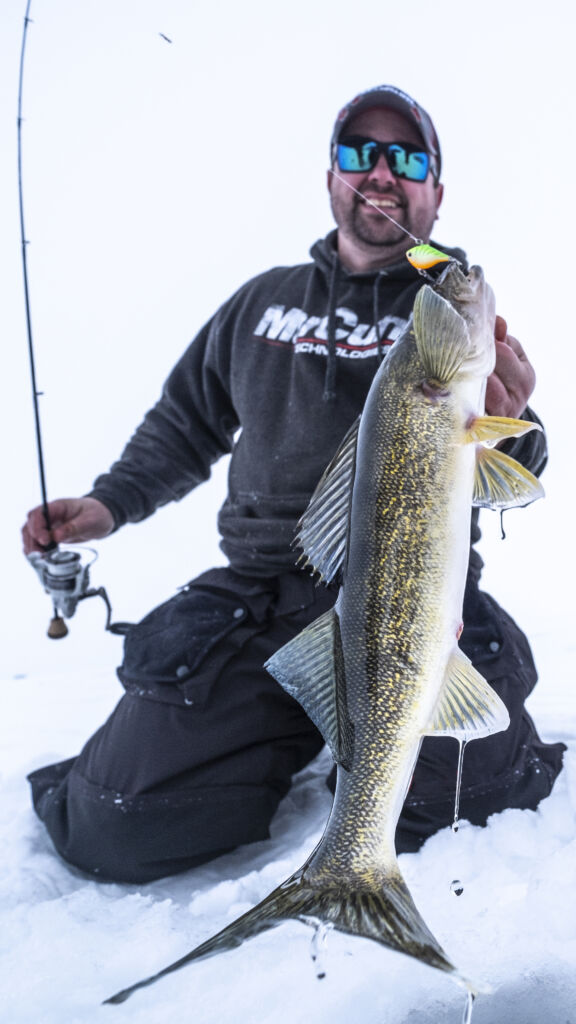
<point x="425" y="256"/>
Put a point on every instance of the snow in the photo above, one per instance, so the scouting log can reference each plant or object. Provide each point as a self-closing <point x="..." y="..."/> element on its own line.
<point x="68" y="942"/>
<point x="134" y="243"/>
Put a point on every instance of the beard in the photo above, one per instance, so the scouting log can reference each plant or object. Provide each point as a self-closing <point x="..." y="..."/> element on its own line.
<point x="375" y="228"/>
<point x="371" y="227"/>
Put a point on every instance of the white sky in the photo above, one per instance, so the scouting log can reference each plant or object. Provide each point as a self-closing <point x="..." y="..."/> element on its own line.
<point x="158" y="177"/>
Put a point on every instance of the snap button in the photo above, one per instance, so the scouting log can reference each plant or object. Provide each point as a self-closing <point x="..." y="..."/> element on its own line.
<point x="182" y="670"/>
<point x="494" y="646"/>
<point x="238" y="613"/>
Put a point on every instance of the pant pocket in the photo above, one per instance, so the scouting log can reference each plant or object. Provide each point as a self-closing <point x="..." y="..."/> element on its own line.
<point x="164" y="652"/>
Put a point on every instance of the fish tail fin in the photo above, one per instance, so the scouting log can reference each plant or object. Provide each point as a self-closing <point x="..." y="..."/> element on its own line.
<point x="292" y="899"/>
<point x="386" y="914"/>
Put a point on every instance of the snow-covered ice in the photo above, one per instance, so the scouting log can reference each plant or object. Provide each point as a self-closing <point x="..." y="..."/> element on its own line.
<point x="67" y="942"/>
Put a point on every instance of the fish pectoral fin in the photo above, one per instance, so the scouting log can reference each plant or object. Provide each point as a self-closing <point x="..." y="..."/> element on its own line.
<point x="501" y="482"/>
<point x="311" y="669"/>
<point x="442" y="336"/>
<point x="323" y="529"/>
<point x="468" y="708"/>
<point x="489" y="430"/>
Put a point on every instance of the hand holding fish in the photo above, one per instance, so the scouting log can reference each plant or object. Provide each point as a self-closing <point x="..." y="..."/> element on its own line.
<point x="509" y="387"/>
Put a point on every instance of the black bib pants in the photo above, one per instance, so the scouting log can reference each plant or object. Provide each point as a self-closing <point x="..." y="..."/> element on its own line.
<point x="200" y="750"/>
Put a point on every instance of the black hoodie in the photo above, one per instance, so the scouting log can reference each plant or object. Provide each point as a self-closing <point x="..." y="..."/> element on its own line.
<point x="277" y="377"/>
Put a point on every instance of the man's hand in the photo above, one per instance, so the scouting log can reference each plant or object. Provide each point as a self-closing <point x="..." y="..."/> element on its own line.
<point x="510" y="385"/>
<point x="73" y="520"/>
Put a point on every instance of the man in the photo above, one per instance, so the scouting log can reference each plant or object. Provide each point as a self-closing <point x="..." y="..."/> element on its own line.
<point x="201" y="748"/>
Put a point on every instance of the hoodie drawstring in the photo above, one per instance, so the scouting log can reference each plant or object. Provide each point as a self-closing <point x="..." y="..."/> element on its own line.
<point x="331" y="364"/>
<point x="376" y="313"/>
<point x="332" y="361"/>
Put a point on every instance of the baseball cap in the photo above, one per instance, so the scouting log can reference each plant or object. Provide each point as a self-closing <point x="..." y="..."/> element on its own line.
<point x="391" y="96"/>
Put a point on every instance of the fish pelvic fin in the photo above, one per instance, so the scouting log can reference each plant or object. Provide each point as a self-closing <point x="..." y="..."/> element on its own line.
<point x="442" y="336"/>
<point x="386" y="915"/>
<point x="501" y="482"/>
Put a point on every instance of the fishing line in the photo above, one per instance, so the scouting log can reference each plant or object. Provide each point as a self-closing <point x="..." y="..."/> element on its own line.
<point x="24" y="243"/>
<point x="419" y="241"/>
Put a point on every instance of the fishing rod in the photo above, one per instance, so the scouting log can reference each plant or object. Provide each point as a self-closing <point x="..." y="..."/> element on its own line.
<point x="63" y="572"/>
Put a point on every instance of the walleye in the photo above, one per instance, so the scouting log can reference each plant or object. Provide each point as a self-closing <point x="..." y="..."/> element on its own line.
<point x="382" y="669"/>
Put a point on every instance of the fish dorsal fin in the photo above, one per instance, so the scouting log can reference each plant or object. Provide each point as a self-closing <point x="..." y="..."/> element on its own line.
<point x="501" y="482"/>
<point x="468" y="707"/>
<point x="442" y="336"/>
<point x="311" y="668"/>
<point x="323" y="529"/>
<point x="489" y="430"/>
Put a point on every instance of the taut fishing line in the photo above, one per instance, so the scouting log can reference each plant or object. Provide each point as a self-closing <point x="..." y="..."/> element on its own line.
<point x="419" y="241"/>
<point x="63" y="572"/>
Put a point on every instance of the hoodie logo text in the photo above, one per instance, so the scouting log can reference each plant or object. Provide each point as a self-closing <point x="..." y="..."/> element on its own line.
<point x="309" y="334"/>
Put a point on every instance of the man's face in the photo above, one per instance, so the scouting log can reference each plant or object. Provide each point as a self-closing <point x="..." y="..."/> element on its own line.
<point x="366" y="238"/>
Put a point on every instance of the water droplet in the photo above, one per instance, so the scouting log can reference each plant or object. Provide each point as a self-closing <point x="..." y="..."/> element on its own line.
<point x="467" y="1018"/>
<point x="462" y="746"/>
<point x="456" y="887"/>
<point x="318" y="944"/>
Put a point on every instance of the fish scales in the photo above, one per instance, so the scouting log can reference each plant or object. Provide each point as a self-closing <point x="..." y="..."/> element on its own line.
<point x="381" y="670"/>
<point x="391" y="616"/>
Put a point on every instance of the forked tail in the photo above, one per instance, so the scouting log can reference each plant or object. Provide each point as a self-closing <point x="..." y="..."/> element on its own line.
<point x="387" y="915"/>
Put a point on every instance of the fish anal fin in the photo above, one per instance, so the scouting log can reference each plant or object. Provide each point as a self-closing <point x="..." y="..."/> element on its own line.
<point x="501" y="482"/>
<point x="468" y="707"/>
<point x="489" y="430"/>
<point x="311" y="669"/>
<point x="323" y="529"/>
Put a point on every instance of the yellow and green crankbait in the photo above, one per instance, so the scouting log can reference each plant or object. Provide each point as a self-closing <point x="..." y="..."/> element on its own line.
<point x="425" y="256"/>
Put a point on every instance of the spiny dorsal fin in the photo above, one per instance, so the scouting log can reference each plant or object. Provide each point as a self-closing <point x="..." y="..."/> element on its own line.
<point x="501" y="482"/>
<point x="468" y="708"/>
<point x="323" y="529"/>
<point x="489" y="430"/>
<point x="311" y="668"/>
<point x="442" y="336"/>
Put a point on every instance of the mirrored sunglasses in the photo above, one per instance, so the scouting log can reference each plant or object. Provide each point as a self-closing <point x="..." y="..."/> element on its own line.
<point x="356" y="154"/>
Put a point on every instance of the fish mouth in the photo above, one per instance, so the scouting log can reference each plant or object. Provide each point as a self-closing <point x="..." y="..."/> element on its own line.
<point x="460" y="288"/>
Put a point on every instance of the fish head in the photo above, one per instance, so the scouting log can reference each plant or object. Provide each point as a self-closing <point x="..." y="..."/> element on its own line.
<point x="472" y="297"/>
